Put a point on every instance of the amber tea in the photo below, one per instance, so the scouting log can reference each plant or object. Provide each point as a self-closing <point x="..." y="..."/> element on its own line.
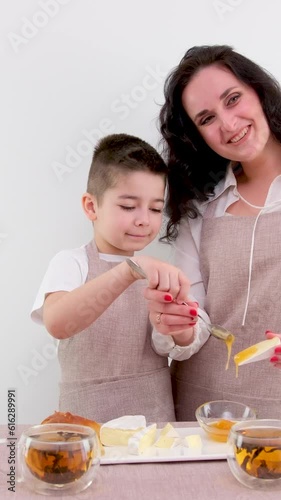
<point x="259" y="460"/>
<point x="50" y="460"/>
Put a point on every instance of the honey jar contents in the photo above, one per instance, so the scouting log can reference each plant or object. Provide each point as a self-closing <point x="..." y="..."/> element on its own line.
<point x="264" y="461"/>
<point x="243" y="356"/>
<point x="58" y="465"/>
<point x="221" y="429"/>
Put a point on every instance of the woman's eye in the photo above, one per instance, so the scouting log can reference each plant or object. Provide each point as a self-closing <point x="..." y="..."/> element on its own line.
<point x="206" y="120"/>
<point x="157" y="210"/>
<point x="233" y="99"/>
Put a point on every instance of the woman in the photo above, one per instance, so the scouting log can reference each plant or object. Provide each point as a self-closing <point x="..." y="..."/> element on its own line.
<point x="221" y="124"/>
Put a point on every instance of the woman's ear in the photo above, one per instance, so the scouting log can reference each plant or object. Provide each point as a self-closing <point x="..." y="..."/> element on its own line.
<point x="89" y="204"/>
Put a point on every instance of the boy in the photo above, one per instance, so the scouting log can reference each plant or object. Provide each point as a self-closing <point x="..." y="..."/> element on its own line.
<point x="93" y="301"/>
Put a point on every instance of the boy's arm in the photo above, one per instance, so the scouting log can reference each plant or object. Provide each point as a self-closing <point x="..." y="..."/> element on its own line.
<point x="68" y="313"/>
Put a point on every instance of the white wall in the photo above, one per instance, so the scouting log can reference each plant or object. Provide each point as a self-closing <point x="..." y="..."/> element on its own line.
<point x="64" y="76"/>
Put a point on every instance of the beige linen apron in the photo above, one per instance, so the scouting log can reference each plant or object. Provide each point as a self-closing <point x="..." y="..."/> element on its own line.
<point x="224" y="260"/>
<point x="110" y="369"/>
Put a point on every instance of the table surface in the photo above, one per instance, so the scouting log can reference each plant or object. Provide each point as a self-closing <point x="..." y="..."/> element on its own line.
<point x="201" y="480"/>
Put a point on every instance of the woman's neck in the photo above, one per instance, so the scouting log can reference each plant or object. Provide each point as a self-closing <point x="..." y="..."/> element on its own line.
<point x="263" y="169"/>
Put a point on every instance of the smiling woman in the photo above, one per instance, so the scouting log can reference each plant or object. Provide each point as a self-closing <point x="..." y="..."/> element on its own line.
<point x="221" y="127"/>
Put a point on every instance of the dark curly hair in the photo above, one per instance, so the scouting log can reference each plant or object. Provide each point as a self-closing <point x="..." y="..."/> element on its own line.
<point x="194" y="168"/>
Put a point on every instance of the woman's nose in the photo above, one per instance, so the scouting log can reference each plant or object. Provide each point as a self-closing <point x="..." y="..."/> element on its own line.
<point x="228" y="122"/>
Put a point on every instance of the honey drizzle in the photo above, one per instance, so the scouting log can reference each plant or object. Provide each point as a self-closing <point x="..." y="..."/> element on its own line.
<point x="243" y="356"/>
<point x="229" y="341"/>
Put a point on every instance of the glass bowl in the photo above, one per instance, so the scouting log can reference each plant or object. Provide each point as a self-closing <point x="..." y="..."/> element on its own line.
<point x="254" y="453"/>
<point x="58" y="458"/>
<point x="217" y="417"/>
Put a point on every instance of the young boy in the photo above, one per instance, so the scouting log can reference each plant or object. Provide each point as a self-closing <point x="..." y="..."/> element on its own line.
<point x="92" y="300"/>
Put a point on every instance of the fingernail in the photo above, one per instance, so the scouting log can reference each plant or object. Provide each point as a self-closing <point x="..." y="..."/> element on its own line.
<point x="193" y="312"/>
<point x="278" y="349"/>
<point x="268" y="331"/>
<point x="193" y="323"/>
<point x="168" y="298"/>
<point x="274" y="359"/>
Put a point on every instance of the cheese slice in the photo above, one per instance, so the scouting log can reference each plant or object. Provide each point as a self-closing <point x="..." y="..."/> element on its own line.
<point x="118" y="431"/>
<point x="168" y="437"/>
<point x="193" y="441"/>
<point x="257" y="352"/>
<point x="140" y="441"/>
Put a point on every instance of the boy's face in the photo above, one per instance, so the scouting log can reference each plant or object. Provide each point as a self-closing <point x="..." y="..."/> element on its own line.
<point x="129" y="215"/>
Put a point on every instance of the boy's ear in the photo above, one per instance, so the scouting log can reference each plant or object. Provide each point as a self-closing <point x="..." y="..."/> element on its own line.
<point x="89" y="204"/>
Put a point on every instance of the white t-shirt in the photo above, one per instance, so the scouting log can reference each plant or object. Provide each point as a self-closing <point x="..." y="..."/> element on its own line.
<point x="67" y="270"/>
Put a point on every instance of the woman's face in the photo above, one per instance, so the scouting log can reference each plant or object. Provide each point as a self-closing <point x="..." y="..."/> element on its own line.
<point x="227" y="113"/>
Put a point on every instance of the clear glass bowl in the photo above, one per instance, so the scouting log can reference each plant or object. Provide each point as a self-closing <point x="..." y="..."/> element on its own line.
<point x="58" y="458"/>
<point x="217" y="417"/>
<point x="254" y="453"/>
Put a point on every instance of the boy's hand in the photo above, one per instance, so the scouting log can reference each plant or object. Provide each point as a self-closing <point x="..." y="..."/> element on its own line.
<point x="276" y="359"/>
<point x="164" y="277"/>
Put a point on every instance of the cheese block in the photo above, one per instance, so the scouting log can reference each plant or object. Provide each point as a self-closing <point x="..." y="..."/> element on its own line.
<point x="168" y="437"/>
<point x="193" y="441"/>
<point x="118" y="431"/>
<point x="140" y="441"/>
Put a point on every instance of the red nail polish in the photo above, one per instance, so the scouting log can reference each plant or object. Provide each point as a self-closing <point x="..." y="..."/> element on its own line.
<point x="168" y="298"/>
<point x="278" y="349"/>
<point x="274" y="359"/>
<point x="193" y="312"/>
<point x="268" y="331"/>
<point x="193" y="323"/>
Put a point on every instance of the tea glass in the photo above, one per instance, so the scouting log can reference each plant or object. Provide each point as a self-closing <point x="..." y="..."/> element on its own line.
<point x="254" y="453"/>
<point x="57" y="459"/>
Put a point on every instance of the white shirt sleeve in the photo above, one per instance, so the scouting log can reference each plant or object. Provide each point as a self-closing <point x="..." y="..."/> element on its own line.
<point x="67" y="270"/>
<point x="165" y="345"/>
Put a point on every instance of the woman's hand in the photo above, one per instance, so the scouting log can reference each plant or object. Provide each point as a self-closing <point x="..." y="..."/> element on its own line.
<point x="171" y="318"/>
<point x="165" y="277"/>
<point x="276" y="358"/>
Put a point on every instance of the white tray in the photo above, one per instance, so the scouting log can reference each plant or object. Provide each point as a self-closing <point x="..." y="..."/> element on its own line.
<point x="211" y="450"/>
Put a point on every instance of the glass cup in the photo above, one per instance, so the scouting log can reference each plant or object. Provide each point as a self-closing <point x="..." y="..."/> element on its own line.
<point x="217" y="417"/>
<point x="254" y="453"/>
<point x="58" y="458"/>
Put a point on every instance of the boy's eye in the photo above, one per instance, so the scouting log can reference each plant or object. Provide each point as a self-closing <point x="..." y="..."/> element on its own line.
<point x="124" y="207"/>
<point x="157" y="210"/>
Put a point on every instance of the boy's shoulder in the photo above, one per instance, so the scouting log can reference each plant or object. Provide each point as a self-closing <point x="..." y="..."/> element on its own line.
<point x="70" y="260"/>
<point x="78" y="253"/>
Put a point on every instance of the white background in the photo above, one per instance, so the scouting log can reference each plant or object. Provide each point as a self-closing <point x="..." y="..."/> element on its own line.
<point x="84" y="68"/>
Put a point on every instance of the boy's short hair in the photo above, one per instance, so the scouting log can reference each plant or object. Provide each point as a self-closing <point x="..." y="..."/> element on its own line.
<point x="120" y="154"/>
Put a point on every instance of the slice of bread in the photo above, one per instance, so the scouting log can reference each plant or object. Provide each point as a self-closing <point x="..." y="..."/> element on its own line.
<point x="59" y="417"/>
